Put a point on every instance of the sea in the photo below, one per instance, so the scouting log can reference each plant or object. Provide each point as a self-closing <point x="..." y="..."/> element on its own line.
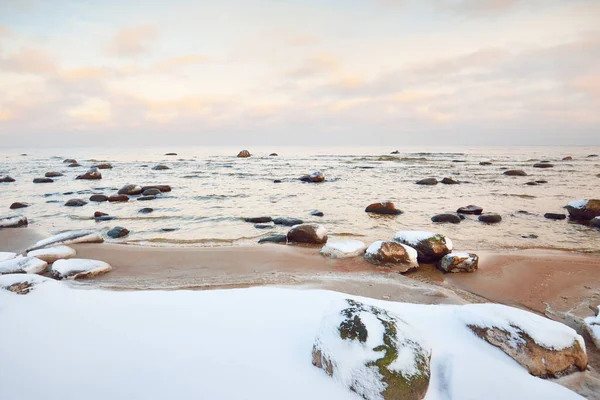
<point x="213" y="191"/>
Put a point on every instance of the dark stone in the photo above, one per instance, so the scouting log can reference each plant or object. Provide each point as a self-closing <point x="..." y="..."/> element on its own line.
<point x="277" y="238"/>
<point x="592" y="156"/>
<point x="277" y="181"/>
<point x="595" y="222"/>
<point x="459" y="161"/>
<point x="427" y="181"/>
<point x="117" y="232"/>
<point x="485" y="163"/>
<point x="68" y="193"/>
<point x="52" y="174"/>
<point x="470" y="209"/>
<point x="146" y="210"/>
<point x="555" y="216"/>
<point x="307" y="233"/>
<point x="263" y="226"/>
<point x="75" y="203"/>
<point x="43" y="180"/>
<point x="452" y="218"/>
<point x="386" y="207"/>
<point x="73" y="165"/>
<point x="524" y="212"/>
<point x="586" y="212"/>
<point x="102" y="166"/>
<point x="99" y="214"/>
<point x="450" y="181"/>
<point x="541" y="181"/>
<point x="162" y="188"/>
<point x="118" y="198"/>
<point x="568" y="158"/>
<point x="287" y="221"/>
<point x="395" y="152"/>
<point x="151" y="192"/>
<point x="146" y="198"/>
<point x="543" y="165"/>
<point x="170" y="154"/>
<point x="530" y="236"/>
<point x="244" y="154"/>
<point x="6" y="179"/>
<point x="168" y="229"/>
<point x="515" y="172"/>
<point x="17" y="205"/>
<point x="160" y="167"/>
<point x="91" y="174"/>
<point x="104" y="218"/>
<point x="258" y="220"/>
<point x="531" y="183"/>
<point x="490" y="218"/>
<point x="130" y="189"/>
<point x="99" y="198"/>
<point x="316" y="213"/>
<point x="273" y="155"/>
<point x="315" y="177"/>
<point x="70" y="161"/>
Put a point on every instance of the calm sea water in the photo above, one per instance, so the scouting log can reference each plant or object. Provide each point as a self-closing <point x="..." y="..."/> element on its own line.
<point x="213" y="190"/>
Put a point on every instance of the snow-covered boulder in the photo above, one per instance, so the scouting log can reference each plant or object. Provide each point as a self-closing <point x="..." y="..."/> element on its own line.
<point x="307" y="233"/>
<point x="430" y="246"/>
<point x="23" y="265"/>
<point x="344" y="249"/>
<point x="373" y="353"/>
<point x="78" y="268"/>
<point x="459" y="262"/>
<point x="544" y="347"/>
<point x="70" y="237"/>
<point x="13" y="222"/>
<point x="392" y="254"/>
<point x="584" y="209"/>
<point x="7" y="255"/>
<point x="592" y="326"/>
<point x="91" y="174"/>
<point x="21" y="283"/>
<point x="52" y="254"/>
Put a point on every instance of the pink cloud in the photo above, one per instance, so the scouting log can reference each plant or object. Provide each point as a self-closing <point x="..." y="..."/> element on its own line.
<point x="132" y="41"/>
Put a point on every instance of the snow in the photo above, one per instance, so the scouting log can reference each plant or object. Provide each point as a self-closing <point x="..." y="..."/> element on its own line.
<point x="208" y="344"/>
<point x="321" y="231"/>
<point x="20" y="264"/>
<point x="412" y="238"/>
<point x="375" y="246"/>
<point x="593" y="327"/>
<point x="579" y="204"/>
<point x="448" y="258"/>
<point x="10" y="279"/>
<point x="70" y="237"/>
<point x="72" y="268"/>
<point x="8" y="222"/>
<point x="51" y="254"/>
<point x="344" y="249"/>
<point x="6" y="255"/>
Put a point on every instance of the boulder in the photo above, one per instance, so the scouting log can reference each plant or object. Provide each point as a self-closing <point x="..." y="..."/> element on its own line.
<point x="447" y="217"/>
<point x="162" y="188"/>
<point x="315" y="177"/>
<point x="75" y="203"/>
<point x="131" y="190"/>
<point x="546" y="348"/>
<point x="51" y="254"/>
<point x="18" y="204"/>
<point x="470" y="209"/>
<point x="244" y="154"/>
<point x="259" y="220"/>
<point x="592" y="156"/>
<point x="386" y="207"/>
<point x="395" y="152"/>
<point x="485" y="163"/>
<point x="532" y="183"/>
<point x="23" y="265"/>
<point x="543" y="165"/>
<point x="117" y="232"/>
<point x="151" y="192"/>
<point x="99" y="214"/>
<point x="427" y="181"/>
<point x="595" y="222"/>
<point x="287" y="221"/>
<point x="78" y="268"/>
<point x="73" y="165"/>
<point x="146" y="210"/>
<point x="52" y="174"/>
<point x="277" y="238"/>
<point x="584" y="209"/>
<point x="273" y="155"/>
<point x="170" y="154"/>
<point x="102" y="166"/>
<point x="6" y="179"/>
<point x="13" y="222"/>
<point x="430" y="246"/>
<point x="264" y="226"/>
<point x="449" y="181"/>
<point x="118" y="198"/>
<point x="344" y="249"/>
<point x="515" y="172"/>
<point x="70" y="161"/>
<point x="459" y="262"/>
<point x="43" y="180"/>
<point x="277" y="181"/>
<point x="592" y="326"/>
<point x="568" y="158"/>
<point x="490" y="218"/>
<point x="146" y="198"/>
<point x="556" y="216"/>
<point x="91" y="174"/>
<point x="98" y="198"/>
<point x="316" y="213"/>
<point x="307" y="233"/>
<point x="70" y="237"/>
<point x="160" y="167"/>
<point x="374" y="353"/>
<point x="398" y="256"/>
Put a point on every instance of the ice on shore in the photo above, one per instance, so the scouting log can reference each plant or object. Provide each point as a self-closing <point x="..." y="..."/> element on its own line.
<point x="592" y="325"/>
<point x="70" y="237"/>
<point x="51" y="254"/>
<point x="344" y="249"/>
<point x="23" y="265"/>
<point x="76" y="268"/>
<point x="7" y="255"/>
<point x="231" y="344"/>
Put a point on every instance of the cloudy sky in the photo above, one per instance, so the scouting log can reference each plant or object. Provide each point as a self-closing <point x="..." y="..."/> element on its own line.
<point x="299" y="72"/>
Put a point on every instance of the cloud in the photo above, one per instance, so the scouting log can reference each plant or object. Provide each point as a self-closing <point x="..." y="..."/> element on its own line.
<point x="477" y="7"/>
<point x="302" y="40"/>
<point x="132" y="41"/>
<point x="315" y="65"/>
<point x="170" y="64"/>
<point x="28" y="60"/>
<point x="91" y="110"/>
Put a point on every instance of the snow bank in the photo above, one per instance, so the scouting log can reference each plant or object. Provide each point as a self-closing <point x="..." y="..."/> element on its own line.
<point x="344" y="249"/>
<point x="180" y="344"/>
<point x="75" y="268"/>
<point x="52" y="254"/>
<point x="592" y="325"/>
<point x="71" y="237"/>
<point x="6" y="255"/>
<point x="20" y="265"/>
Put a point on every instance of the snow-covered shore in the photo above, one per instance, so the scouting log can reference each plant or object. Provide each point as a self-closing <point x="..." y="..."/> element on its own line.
<point x="61" y="341"/>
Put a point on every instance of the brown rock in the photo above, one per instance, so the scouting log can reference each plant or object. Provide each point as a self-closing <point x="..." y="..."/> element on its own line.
<point x="162" y="188"/>
<point x="450" y="181"/>
<point x="307" y="233"/>
<point x="70" y="161"/>
<point x="160" y="167"/>
<point x="470" y="209"/>
<point x="118" y="198"/>
<point x="515" y="172"/>
<point x="427" y="181"/>
<point x="315" y="177"/>
<point x="91" y="174"/>
<point x="103" y="166"/>
<point x="585" y="211"/>
<point x="99" y="214"/>
<point x="568" y="158"/>
<point x="490" y="218"/>
<point x="393" y="255"/>
<point x="99" y="198"/>
<point x="6" y="179"/>
<point x="75" y="203"/>
<point x="17" y="205"/>
<point x="52" y="174"/>
<point x="543" y="165"/>
<point x="386" y="207"/>
<point x="131" y="190"/>
<point x="43" y="180"/>
<point x="459" y="262"/>
<point x="244" y="154"/>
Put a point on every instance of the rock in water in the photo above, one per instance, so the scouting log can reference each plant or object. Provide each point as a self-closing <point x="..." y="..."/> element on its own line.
<point x="146" y="198"/>
<point x="459" y="262"/>
<point x="568" y="158"/>
<point x="75" y="203"/>
<point x="23" y="265"/>
<point x="259" y="220"/>
<point x="52" y="174"/>
<point x="273" y="155"/>
<point x="13" y="222"/>
<point x="373" y="353"/>
<point x="595" y="222"/>
<point x="151" y="192"/>
<point x="450" y="181"/>
<point x="131" y="190"/>
<point x="273" y="239"/>
<point x="556" y="216"/>
<point x="102" y="166"/>
<point x="427" y="182"/>
<point x="470" y="209"/>
<point x="43" y="180"/>
<point x="18" y="204"/>
<point x="386" y="207"/>
<point x="543" y="165"/>
<point x="485" y="163"/>
<point x="584" y="209"/>
<point x="515" y="172"/>
<point x="118" y="232"/>
<point x="400" y="257"/>
<point x="91" y="174"/>
<point x="307" y="233"/>
<point x="170" y="154"/>
<point x="395" y="152"/>
<point x="162" y="188"/>
<point x="447" y="217"/>
<point x="264" y="226"/>
<point x="70" y="161"/>
<point x="344" y="249"/>
<point x="490" y="218"/>
<point x="98" y="198"/>
<point x="51" y="254"/>
<point x="6" y="179"/>
<point x="160" y="167"/>
<point x="316" y="213"/>
<point x="71" y="237"/>
<point x="430" y="246"/>
<point x="244" y="154"/>
<point x="118" y="198"/>
<point x="544" y="347"/>
<point x="315" y="177"/>
<point x="146" y="210"/>
<point x="287" y="221"/>
<point x="78" y="268"/>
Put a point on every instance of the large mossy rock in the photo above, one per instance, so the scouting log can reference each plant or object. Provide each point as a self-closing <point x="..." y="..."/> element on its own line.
<point x="373" y="353"/>
<point x="430" y="246"/>
<point x="584" y="209"/>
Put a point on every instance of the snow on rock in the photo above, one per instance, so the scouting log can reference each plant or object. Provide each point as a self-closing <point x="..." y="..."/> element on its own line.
<point x="584" y="209"/>
<point x="51" y="254"/>
<point x="459" y="262"/>
<point x="344" y="249"/>
<point x="23" y="265"/>
<point x="21" y="283"/>
<point x="307" y="233"/>
<point x="6" y="255"/>
<point x="70" y="237"/>
<point x="13" y="222"/>
<point x="78" y="268"/>
<point x="373" y="353"/>
<point x="430" y="246"/>
<point x="545" y="347"/>
<point x="579" y="204"/>
<point x="592" y="326"/>
<point x="392" y="254"/>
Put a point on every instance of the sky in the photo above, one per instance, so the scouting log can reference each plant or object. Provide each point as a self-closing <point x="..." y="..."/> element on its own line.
<point x="299" y="72"/>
